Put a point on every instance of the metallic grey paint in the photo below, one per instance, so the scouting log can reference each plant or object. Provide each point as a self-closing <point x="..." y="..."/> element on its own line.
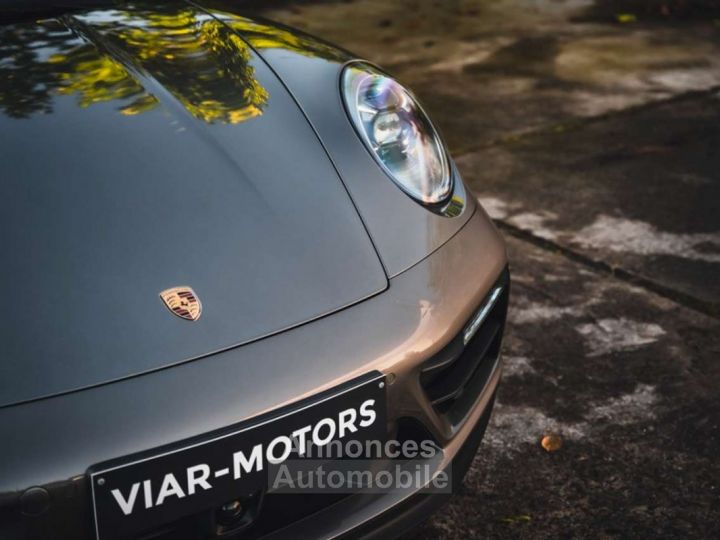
<point x="304" y="253"/>
<point x="108" y="209"/>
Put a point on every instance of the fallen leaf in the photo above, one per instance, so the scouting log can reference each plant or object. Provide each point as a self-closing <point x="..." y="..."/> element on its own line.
<point x="551" y="442"/>
<point x="517" y="519"/>
<point x="625" y="18"/>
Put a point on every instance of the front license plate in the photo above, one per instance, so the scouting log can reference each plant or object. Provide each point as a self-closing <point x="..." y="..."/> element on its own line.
<point x="151" y="490"/>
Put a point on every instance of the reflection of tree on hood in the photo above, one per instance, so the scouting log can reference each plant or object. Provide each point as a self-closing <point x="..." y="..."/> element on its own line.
<point x="26" y="78"/>
<point x="263" y="36"/>
<point x="199" y="61"/>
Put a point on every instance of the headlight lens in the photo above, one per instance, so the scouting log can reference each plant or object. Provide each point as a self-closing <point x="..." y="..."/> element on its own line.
<point x="398" y="133"/>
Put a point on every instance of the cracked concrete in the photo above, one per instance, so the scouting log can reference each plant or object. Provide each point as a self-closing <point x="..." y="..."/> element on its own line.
<point x="633" y="236"/>
<point x="639" y="191"/>
<point x="589" y="131"/>
<point x="616" y="335"/>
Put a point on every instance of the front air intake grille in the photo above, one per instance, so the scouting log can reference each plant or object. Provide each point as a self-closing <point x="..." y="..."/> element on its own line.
<point x="453" y="378"/>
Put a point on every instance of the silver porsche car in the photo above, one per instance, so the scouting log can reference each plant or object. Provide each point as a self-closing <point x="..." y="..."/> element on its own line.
<point x="228" y="245"/>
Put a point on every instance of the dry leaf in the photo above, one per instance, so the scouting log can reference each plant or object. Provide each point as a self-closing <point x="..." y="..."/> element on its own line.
<point x="625" y="18"/>
<point x="551" y="442"/>
<point x="516" y="519"/>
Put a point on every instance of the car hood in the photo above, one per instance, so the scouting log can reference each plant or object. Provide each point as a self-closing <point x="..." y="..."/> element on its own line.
<point x="148" y="148"/>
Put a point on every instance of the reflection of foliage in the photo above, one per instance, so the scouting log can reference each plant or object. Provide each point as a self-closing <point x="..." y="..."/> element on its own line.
<point x="263" y="36"/>
<point x="96" y="79"/>
<point x="454" y="207"/>
<point x="198" y="60"/>
<point x="25" y="80"/>
<point x="223" y="42"/>
<point x="271" y="35"/>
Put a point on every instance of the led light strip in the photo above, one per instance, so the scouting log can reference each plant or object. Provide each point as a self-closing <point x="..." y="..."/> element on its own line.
<point x="472" y="328"/>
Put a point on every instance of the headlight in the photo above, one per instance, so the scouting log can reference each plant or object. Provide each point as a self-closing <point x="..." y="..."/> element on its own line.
<point x="397" y="132"/>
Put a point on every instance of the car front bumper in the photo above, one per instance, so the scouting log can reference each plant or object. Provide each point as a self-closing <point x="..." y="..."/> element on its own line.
<point x="50" y="444"/>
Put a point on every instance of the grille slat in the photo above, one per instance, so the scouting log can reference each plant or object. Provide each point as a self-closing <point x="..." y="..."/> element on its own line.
<point x="454" y="377"/>
<point x="455" y="380"/>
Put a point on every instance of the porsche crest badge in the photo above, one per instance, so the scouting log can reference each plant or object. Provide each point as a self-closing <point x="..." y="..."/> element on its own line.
<point x="183" y="302"/>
